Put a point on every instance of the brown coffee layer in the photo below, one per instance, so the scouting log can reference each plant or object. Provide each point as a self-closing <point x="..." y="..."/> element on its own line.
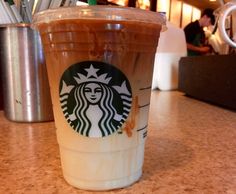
<point x="130" y="46"/>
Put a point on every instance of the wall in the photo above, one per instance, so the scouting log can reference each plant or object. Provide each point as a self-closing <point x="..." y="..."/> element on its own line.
<point x="178" y="13"/>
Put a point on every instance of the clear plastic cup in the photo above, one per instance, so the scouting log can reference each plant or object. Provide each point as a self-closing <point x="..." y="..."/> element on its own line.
<point x="100" y="63"/>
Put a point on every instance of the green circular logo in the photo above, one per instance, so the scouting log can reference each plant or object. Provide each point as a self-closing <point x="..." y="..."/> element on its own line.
<point x="95" y="98"/>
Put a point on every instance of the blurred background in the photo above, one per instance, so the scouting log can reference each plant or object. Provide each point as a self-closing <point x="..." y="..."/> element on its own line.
<point x="179" y="12"/>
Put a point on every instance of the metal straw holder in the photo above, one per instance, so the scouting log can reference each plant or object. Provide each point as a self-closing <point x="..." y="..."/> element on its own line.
<point x="26" y="92"/>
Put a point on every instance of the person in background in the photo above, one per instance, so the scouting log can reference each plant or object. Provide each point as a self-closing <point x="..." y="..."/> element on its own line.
<point x="195" y="36"/>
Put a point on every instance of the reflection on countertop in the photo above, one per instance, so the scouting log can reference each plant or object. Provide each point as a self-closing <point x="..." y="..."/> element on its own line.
<point x="191" y="148"/>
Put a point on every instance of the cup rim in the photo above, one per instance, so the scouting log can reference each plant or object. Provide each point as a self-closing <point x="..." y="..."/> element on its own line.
<point x="13" y="25"/>
<point x="99" y="12"/>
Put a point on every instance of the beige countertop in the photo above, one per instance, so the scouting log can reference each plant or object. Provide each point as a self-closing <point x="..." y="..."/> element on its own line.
<point x="190" y="148"/>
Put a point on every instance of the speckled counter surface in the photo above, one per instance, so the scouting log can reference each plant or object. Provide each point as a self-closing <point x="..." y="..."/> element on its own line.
<point x="191" y="148"/>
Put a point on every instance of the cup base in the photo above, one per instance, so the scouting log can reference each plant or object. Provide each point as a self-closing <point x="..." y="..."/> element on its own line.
<point x="102" y="170"/>
<point x="103" y="185"/>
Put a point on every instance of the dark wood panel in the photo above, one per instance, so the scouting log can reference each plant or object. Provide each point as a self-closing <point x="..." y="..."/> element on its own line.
<point x="209" y="78"/>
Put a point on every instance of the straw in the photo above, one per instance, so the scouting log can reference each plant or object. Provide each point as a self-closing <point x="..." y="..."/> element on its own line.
<point x="4" y="18"/>
<point x="25" y="11"/>
<point x="37" y="6"/>
<point x="73" y="3"/>
<point x="92" y="2"/>
<point x="31" y="5"/>
<point x="66" y="3"/>
<point x="9" y="11"/>
<point x="42" y="5"/>
<point x="70" y="3"/>
<point x="55" y="3"/>
<point x="15" y="11"/>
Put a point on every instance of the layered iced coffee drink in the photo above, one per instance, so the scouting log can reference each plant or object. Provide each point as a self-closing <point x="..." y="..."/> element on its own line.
<point x="100" y="62"/>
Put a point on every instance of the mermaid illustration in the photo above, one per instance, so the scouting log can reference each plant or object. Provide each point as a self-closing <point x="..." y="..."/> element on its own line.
<point x="97" y="108"/>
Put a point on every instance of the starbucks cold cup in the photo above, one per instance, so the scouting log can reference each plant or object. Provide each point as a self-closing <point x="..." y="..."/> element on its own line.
<point x="99" y="63"/>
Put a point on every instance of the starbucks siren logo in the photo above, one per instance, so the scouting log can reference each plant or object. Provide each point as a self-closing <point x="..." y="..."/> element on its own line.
<point x="95" y="98"/>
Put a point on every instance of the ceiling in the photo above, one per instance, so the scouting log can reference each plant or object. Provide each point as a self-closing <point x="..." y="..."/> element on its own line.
<point x="202" y="4"/>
